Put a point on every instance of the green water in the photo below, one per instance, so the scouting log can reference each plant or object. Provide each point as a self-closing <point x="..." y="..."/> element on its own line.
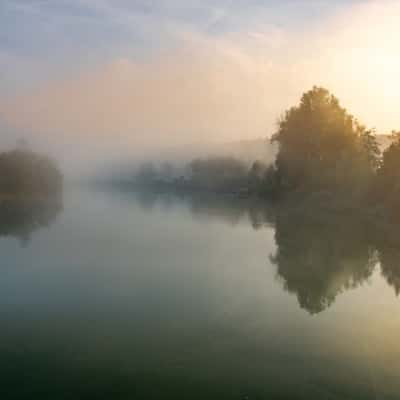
<point x="118" y="296"/>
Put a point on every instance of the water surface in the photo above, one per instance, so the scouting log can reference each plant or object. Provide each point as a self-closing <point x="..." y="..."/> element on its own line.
<point x="123" y="296"/>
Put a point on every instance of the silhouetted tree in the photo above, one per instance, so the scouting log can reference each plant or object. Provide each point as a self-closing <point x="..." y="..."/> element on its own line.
<point x="218" y="174"/>
<point x="256" y="176"/>
<point x="372" y="150"/>
<point x="322" y="146"/>
<point x="146" y="173"/>
<point x="23" y="172"/>
<point x="389" y="171"/>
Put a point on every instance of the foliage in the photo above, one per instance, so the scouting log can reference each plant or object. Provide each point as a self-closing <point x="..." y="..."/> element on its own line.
<point x="387" y="188"/>
<point x="146" y="172"/>
<point x="322" y="146"/>
<point x="23" y="172"/>
<point x="218" y="173"/>
<point x="323" y="152"/>
<point x="389" y="171"/>
<point x="371" y="149"/>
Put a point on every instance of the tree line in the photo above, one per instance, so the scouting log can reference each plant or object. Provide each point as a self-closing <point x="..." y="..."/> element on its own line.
<point x="324" y="148"/>
<point x="323" y="153"/>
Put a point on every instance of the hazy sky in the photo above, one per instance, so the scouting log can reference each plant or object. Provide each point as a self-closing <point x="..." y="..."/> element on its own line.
<point x="87" y="77"/>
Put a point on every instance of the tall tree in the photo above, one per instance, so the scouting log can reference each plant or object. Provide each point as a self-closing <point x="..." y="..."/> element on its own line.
<point x="322" y="146"/>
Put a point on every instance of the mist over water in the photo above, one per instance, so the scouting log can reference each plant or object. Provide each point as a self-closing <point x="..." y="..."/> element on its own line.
<point x="125" y="294"/>
<point x="187" y="210"/>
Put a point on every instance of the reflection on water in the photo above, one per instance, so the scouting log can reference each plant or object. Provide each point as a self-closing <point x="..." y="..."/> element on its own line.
<point x="320" y="257"/>
<point x="139" y="296"/>
<point x="318" y="254"/>
<point x="230" y="209"/>
<point x="21" y="217"/>
<point x="389" y="257"/>
<point x="324" y="255"/>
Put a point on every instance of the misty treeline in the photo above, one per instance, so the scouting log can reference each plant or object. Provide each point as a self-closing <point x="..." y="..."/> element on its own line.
<point x="222" y="174"/>
<point x="323" y="152"/>
<point x="26" y="173"/>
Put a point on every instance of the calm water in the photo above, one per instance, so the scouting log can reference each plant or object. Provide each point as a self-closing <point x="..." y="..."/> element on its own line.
<point x="119" y="296"/>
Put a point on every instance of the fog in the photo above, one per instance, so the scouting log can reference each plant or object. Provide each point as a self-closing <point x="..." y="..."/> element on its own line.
<point x="208" y="90"/>
<point x="200" y="199"/>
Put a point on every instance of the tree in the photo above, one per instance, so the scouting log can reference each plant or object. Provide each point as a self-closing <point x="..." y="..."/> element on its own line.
<point x="256" y="175"/>
<point x="218" y="173"/>
<point x="389" y="171"/>
<point x="146" y="173"/>
<point x="25" y="173"/>
<point x="388" y="177"/>
<point x="322" y="146"/>
<point x="371" y="149"/>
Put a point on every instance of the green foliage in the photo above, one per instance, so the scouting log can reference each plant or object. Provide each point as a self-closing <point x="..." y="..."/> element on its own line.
<point x="25" y="173"/>
<point x="387" y="187"/>
<point x="218" y="173"/>
<point x="324" y="152"/>
<point x="322" y="146"/>
<point x="262" y="180"/>
<point x="256" y="176"/>
<point x="389" y="171"/>
<point x="371" y="149"/>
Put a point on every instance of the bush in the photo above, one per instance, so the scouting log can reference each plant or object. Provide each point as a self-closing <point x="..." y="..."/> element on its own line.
<point x="27" y="173"/>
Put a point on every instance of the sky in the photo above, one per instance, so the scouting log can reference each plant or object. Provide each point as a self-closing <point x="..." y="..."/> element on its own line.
<point x="96" y="78"/>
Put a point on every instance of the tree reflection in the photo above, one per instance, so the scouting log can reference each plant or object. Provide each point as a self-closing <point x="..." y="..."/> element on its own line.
<point x="320" y="253"/>
<point x="388" y="245"/>
<point x="232" y="210"/>
<point x="321" y="256"/>
<point x="21" y="217"/>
